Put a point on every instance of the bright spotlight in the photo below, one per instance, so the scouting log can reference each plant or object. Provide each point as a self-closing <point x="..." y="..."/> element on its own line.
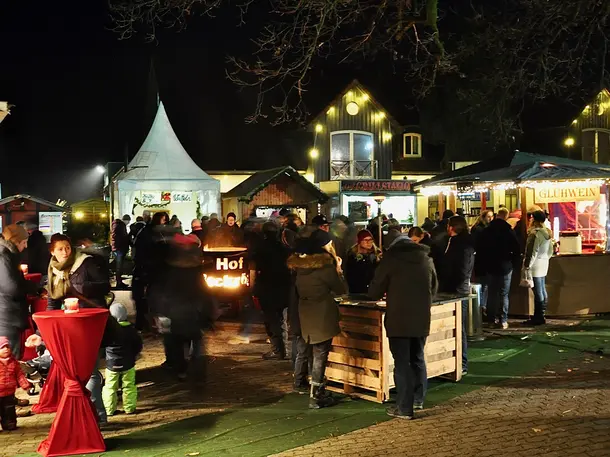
<point x="100" y="169"/>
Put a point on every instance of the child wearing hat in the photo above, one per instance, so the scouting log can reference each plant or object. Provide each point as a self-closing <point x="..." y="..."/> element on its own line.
<point x="11" y="376"/>
<point x="121" y="354"/>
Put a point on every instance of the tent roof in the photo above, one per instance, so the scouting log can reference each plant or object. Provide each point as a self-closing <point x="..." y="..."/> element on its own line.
<point x="162" y="156"/>
<point x="38" y="200"/>
<point x="258" y="181"/>
<point x="522" y="166"/>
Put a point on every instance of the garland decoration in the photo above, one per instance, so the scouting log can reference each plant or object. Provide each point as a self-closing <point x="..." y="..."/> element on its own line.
<point x="154" y="205"/>
<point x="198" y="210"/>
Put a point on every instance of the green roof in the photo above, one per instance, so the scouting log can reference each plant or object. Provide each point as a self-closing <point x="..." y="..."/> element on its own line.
<point x="522" y="166"/>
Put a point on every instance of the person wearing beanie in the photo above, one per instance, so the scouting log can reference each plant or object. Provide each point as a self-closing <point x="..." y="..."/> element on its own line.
<point x="121" y="354"/>
<point x="11" y="376"/>
<point x="13" y="286"/>
<point x="361" y="262"/>
<point x="317" y="283"/>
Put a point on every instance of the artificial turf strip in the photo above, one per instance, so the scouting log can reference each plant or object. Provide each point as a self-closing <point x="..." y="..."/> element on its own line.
<point x="260" y="431"/>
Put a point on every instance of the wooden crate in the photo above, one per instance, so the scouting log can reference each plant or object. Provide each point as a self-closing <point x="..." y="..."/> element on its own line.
<point x="360" y="362"/>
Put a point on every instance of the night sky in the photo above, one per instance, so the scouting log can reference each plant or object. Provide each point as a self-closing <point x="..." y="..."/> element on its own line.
<point x="81" y="95"/>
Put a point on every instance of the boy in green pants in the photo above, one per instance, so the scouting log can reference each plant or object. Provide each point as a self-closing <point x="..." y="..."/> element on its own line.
<point x="121" y="356"/>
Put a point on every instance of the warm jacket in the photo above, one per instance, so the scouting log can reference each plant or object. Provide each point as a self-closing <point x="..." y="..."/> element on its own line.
<point x="479" y="264"/>
<point x="13" y="291"/>
<point x="273" y="280"/>
<point x="11" y="376"/>
<point x="360" y="269"/>
<point x="317" y="281"/>
<point x="124" y="347"/>
<point x="37" y="253"/>
<point x="180" y="293"/>
<point x="227" y="235"/>
<point x="456" y="265"/>
<point x="89" y="282"/>
<point x="406" y="274"/>
<point x="538" y="251"/>
<point x="498" y="248"/>
<point x="438" y="242"/>
<point x="119" y="238"/>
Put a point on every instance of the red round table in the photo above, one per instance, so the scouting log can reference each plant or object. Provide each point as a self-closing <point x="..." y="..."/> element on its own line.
<point x="74" y="341"/>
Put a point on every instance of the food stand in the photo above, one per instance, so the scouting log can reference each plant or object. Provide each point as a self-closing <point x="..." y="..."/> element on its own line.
<point x="360" y="363"/>
<point x="575" y="194"/>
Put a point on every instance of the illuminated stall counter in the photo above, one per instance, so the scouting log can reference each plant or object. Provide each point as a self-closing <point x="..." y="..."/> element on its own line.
<point x="575" y="195"/>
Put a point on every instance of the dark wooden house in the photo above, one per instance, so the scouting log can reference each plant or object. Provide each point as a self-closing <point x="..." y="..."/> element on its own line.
<point x="589" y="133"/>
<point x="355" y="137"/>
<point x="271" y="190"/>
<point x="26" y="208"/>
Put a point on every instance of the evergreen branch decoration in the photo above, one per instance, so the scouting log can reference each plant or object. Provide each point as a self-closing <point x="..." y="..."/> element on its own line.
<point x="154" y="205"/>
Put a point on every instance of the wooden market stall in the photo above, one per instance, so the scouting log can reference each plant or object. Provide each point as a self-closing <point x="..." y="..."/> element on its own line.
<point x="574" y="193"/>
<point x="360" y="362"/>
<point x="271" y="190"/>
<point x="26" y="208"/>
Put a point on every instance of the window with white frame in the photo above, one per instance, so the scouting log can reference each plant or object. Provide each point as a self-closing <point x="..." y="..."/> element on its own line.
<point x="411" y="145"/>
<point x="351" y="155"/>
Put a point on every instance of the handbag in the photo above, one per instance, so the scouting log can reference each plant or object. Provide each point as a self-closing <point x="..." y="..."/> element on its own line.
<point x="526" y="278"/>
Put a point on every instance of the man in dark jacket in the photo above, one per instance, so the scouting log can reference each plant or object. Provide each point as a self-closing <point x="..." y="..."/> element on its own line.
<point x="37" y="253"/>
<point x="406" y="274"/>
<point x="272" y="287"/>
<point x="456" y="267"/>
<point x="500" y="250"/>
<point x="119" y="239"/>
<point x="439" y="238"/>
<point x="13" y="286"/>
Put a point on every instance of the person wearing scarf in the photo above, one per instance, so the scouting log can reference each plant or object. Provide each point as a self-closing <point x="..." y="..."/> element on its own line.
<point x="75" y="274"/>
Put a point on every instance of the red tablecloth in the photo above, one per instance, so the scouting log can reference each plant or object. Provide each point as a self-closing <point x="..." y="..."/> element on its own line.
<point x="74" y="341"/>
<point x="51" y="392"/>
<point x="34" y="277"/>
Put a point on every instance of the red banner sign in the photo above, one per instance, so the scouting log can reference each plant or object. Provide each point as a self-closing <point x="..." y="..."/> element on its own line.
<point x="376" y="186"/>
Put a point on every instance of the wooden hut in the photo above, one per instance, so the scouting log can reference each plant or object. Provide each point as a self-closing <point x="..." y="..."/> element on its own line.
<point x="94" y="210"/>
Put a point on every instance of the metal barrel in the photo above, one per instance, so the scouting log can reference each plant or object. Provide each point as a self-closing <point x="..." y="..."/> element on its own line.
<point x="474" y="324"/>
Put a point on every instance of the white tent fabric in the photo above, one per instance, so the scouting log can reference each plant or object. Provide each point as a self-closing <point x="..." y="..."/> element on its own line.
<point x="163" y="165"/>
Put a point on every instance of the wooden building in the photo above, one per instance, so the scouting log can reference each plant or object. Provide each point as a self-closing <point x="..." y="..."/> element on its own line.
<point x="355" y="137"/>
<point x="94" y="210"/>
<point x="26" y="208"/>
<point x="589" y="133"/>
<point x="271" y="190"/>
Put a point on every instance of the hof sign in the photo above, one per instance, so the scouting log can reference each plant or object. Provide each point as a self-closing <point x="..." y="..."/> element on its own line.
<point x="228" y="273"/>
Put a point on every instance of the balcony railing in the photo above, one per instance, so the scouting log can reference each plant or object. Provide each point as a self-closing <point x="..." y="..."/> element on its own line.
<point x="353" y="169"/>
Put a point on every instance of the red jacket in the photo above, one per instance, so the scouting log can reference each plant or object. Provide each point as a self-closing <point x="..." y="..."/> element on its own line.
<point x="11" y="376"/>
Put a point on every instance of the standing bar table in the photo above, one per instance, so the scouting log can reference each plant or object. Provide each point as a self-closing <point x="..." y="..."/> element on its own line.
<point x="74" y="341"/>
<point x="360" y="363"/>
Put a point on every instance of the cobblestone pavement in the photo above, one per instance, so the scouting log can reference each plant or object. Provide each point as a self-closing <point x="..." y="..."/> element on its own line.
<point x="563" y="410"/>
<point x="236" y="376"/>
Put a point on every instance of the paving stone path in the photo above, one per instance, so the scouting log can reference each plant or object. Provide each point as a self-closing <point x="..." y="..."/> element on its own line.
<point x="561" y="411"/>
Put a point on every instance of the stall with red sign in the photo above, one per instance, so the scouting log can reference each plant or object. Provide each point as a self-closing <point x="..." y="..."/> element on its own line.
<point x="361" y="200"/>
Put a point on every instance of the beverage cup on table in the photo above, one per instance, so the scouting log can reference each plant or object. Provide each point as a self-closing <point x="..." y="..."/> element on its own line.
<point x="71" y="305"/>
<point x="24" y="268"/>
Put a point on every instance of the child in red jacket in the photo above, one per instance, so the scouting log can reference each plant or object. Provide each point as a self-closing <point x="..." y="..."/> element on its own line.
<point x="10" y="376"/>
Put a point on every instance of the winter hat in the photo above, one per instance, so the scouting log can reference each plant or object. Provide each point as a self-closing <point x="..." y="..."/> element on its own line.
<point x="319" y="220"/>
<point x="4" y="342"/>
<point x="15" y="233"/>
<point x="232" y="215"/>
<point x="119" y="312"/>
<point x="363" y="234"/>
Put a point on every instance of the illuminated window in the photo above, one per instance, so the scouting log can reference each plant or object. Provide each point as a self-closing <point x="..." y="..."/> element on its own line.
<point x="411" y="145"/>
<point x="351" y="154"/>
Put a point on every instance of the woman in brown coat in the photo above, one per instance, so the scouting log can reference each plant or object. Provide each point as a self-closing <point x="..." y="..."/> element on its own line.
<point x="317" y="281"/>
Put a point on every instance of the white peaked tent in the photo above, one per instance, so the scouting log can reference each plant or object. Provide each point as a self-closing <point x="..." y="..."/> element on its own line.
<point x="163" y="177"/>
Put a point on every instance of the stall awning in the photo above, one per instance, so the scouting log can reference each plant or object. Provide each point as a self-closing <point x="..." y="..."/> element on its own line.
<point x="258" y="181"/>
<point x="519" y="167"/>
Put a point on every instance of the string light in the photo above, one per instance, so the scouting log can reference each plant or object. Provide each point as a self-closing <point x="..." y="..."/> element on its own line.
<point x="314" y="153"/>
<point x="387" y="136"/>
<point x="365" y="97"/>
<point x="331" y="110"/>
<point x="563" y="184"/>
<point x="435" y="190"/>
<point x="569" y="141"/>
<point x="380" y="115"/>
<point x="319" y="128"/>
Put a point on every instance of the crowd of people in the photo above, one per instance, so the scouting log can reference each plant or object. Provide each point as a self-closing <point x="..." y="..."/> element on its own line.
<point x="300" y="271"/>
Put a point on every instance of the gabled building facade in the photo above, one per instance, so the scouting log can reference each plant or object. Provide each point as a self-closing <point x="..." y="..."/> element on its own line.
<point x="589" y="133"/>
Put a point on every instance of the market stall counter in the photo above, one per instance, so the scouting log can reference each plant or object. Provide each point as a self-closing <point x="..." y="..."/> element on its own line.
<point x="360" y="362"/>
